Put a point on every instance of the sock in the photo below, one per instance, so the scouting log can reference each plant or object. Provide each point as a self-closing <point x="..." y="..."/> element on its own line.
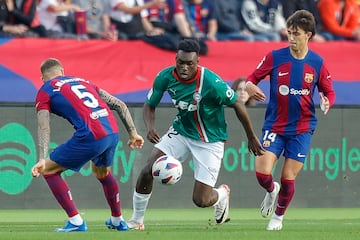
<point x="286" y="194"/>
<point x="61" y="192"/>
<point x="140" y="202"/>
<point x="222" y="194"/>
<point x="116" y="220"/>
<point x="266" y="181"/>
<point x="277" y="217"/>
<point x="76" y="220"/>
<point x="112" y="194"/>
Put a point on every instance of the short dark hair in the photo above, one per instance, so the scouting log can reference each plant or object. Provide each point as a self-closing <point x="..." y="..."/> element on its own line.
<point x="189" y="45"/>
<point x="302" y="19"/>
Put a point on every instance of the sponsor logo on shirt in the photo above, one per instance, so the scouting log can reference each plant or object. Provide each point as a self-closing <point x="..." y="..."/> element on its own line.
<point x="284" y="90"/>
<point x="99" y="113"/>
<point x="185" y="106"/>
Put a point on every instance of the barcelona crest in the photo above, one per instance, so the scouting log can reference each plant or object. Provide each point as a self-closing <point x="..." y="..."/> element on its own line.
<point x="309" y="77"/>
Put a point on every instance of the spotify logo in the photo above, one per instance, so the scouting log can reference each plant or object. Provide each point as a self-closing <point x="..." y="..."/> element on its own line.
<point x="17" y="156"/>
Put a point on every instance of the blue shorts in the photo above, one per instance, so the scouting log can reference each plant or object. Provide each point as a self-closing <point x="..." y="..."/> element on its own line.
<point x="74" y="153"/>
<point x="295" y="146"/>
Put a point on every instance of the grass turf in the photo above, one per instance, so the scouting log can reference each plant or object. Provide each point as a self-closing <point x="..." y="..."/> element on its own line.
<point x="187" y="224"/>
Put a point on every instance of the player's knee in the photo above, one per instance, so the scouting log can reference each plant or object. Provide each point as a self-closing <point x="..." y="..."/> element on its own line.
<point x="100" y="172"/>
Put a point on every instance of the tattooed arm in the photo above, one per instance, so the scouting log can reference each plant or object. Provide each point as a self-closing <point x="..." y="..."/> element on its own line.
<point x="43" y="117"/>
<point x="43" y="132"/>
<point x="135" y="141"/>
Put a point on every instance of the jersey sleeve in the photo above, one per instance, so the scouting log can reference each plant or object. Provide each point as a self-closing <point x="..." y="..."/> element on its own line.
<point x="225" y="95"/>
<point x="155" y="94"/>
<point x="263" y="69"/>
<point x="325" y="85"/>
<point x="42" y="101"/>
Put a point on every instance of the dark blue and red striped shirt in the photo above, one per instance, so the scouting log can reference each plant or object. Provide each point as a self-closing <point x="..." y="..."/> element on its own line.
<point x="78" y="101"/>
<point x="291" y="108"/>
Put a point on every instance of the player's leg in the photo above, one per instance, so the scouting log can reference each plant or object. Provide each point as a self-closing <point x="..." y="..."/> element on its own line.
<point x="71" y="155"/>
<point x="290" y="170"/>
<point x="295" y="153"/>
<point x="207" y="158"/>
<point x="62" y="193"/>
<point x="206" y="196"/>
<point x="101" y="169"/>
<point x="264" y="164"/>
<point x="142" y="193"/>
<point x="263" y="169"/>
<point x="172" y="144"/>
<point x="112" y="194"/>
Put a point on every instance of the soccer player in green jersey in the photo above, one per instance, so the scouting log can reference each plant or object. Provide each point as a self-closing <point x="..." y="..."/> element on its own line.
<point x="198" y="131"/>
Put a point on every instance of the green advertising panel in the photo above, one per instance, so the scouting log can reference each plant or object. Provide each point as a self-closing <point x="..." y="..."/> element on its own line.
<point x="330" y="176"/>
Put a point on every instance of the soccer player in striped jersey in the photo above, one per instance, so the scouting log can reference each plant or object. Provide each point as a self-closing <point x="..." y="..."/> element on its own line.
<point x="290" y="121"/>
<point x="89" y="110"/>
<point x="198" y="131"/>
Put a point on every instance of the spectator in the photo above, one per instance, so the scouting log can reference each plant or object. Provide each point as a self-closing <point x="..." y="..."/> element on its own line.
<point x="57" y="17"/>
<point x="230" y="25"/>
<point x="264" y="17"/>
<point x="239" y="86"/>
<point x="170" y="17"/>
<point x="7" y="27"/>
<point x="24" y="12"/>
<point x="172" y="20"/>
<point x="290" y="6"/>
<point x="132" y="20"/>
<point x="98" y="24"/>
<point x="129" y="15"/>
<point x="201" y="15"/>
<point x="340" y="19"/>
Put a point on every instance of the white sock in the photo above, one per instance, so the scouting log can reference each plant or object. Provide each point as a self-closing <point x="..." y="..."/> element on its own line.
<point x="76" y="220"/>
<point x="222" y="194"/>
<point x="116" y="220"/>
<point x="275" y="216"/>
<point x="140" y="202"/>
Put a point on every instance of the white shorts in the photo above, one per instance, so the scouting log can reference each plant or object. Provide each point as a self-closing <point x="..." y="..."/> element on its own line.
<point x="206" y="157"/>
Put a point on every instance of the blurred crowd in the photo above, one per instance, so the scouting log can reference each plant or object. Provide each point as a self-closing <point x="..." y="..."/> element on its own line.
<point x="163" y="23"/>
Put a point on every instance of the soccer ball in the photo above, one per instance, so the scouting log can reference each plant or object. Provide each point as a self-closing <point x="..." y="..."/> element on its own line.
<point x="167" y="170"/>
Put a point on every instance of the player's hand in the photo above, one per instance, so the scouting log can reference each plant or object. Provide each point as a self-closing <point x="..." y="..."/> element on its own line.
<point x="136" y="142"/>
<point x="38" y="168"/>
<point x="324" y="103"/>
<point x="255" y="92"/>
<point x="153" y="136"/>
<point x="255" y="147"/>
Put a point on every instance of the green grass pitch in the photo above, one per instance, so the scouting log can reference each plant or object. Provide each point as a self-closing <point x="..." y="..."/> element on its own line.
<point x="187" y="224"/>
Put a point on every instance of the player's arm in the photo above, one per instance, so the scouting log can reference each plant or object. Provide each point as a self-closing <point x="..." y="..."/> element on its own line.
<point x="43" y="118"/>
<point x="326" y="90"/>
<point x="253" y="141"/>
<point x="263" y="69"/>
<point x="149" y="120"/>
<point x="153" y="98"/>
<point x="135" y="141"/>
